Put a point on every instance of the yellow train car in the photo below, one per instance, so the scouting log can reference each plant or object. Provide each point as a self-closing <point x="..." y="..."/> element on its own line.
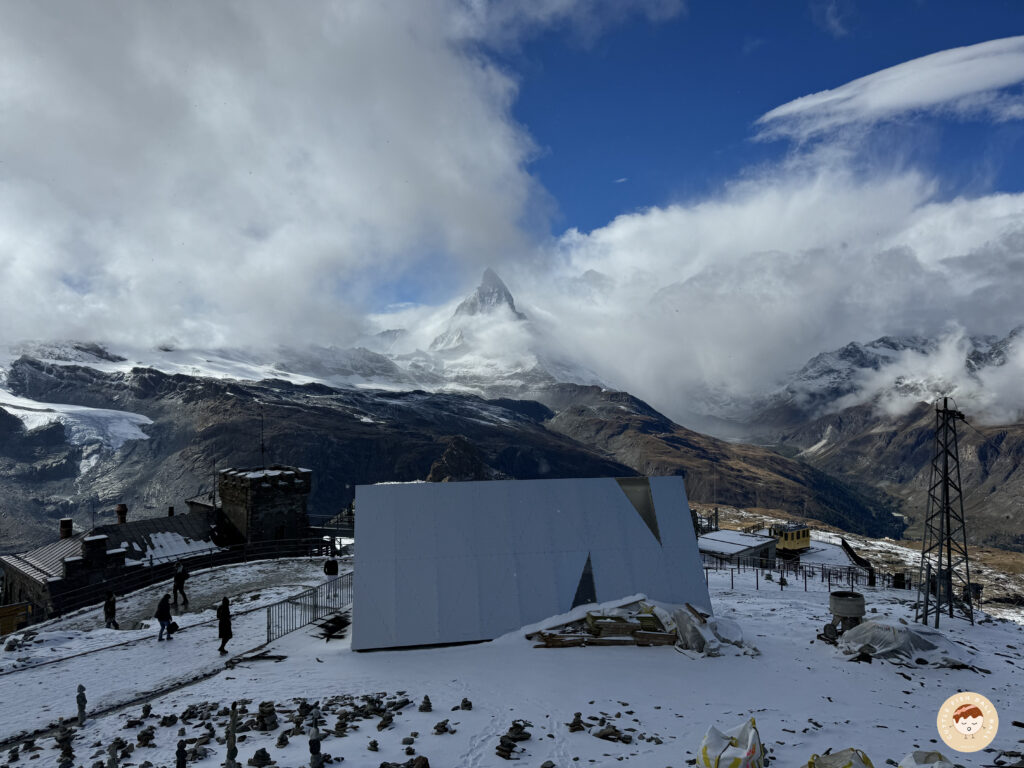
<point x="791" y="537"/>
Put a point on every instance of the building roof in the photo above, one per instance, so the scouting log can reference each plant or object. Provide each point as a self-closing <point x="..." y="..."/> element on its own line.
<point x="160" y="537"/>
<point x="727" y="542"/>
<point x="46" y="561"/>
<point x="157" y="537"/>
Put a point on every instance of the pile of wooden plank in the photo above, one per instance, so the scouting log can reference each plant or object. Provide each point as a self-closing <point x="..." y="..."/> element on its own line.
<point x="634" y="625"/>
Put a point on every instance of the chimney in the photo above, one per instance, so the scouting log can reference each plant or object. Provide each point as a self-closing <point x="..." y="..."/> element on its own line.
<point x="66" y="527"/>
<point x="122" y="513"/>
<point x="170" y="511"/>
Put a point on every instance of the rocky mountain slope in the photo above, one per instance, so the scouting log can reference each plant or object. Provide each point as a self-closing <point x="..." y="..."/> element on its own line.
<point x="865" y="413"/>
<point x="350" y="437"/>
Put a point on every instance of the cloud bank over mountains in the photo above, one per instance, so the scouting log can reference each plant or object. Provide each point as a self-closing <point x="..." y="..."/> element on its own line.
<point x="252" y="173"/>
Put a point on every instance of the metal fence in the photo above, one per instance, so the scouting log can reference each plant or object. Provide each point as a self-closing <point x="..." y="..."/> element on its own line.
<point x="301" y="609"/>
<point x="833" y="575"/>
<point x="154" y="570"/>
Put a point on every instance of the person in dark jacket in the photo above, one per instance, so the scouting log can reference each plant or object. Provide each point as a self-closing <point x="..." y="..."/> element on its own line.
<point x="224" y="624"/>
<point x="180" y="574"/>
<point x="110" y="611"/>
<point x="163" y="615"/>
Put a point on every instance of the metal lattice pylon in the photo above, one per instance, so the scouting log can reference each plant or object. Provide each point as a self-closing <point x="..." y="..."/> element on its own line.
<point x="944" y="565"/>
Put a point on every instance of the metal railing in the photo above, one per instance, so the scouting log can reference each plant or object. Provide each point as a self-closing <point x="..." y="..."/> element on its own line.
<point x="833" y="575"/>
<point x="153" y="571"/>
<point x="306" y="607"/>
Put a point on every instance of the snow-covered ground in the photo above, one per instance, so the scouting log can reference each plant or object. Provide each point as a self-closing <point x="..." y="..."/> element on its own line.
<point x="893" y="555"/>
<point x="805" y="695"/>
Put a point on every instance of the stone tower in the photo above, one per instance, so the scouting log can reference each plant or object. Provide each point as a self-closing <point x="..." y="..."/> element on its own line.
<point x="266" y="504"/>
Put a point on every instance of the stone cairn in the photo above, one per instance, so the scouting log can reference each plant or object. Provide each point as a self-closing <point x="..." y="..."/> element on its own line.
<point x="112" y="750"/>
<point x="266" y="717"/>
<point x="425" y="705"/>
<point x="180" y="756"/>
<point x="232" y="753"/>
<point x="81" y="701"/>
<point x="517" y="732"/>
<point x="577" y="723"/>
<point x="420" y="761"/>
<point x="261" y="759"/>
<point x="316" y="760"/>
<point x="145" y="736"/>
<point x="442" y="728"/>
<point x="64" y="738"/>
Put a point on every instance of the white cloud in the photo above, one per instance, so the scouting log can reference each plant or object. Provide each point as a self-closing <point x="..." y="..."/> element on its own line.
<point x="722" y="299"/>
<point x="831" y="15"/>
<point x="966" y="81"/>
<point x="238" y="171"/>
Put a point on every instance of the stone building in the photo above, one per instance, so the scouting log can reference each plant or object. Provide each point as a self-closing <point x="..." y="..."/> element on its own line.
<point x="266" y="504"/>
<point x="75" y="568"/>
<point x="257" y="505"/>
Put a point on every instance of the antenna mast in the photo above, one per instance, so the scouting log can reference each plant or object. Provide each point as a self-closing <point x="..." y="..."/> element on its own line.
<point x="263" y="448"/>
<point x="944" y="563"/>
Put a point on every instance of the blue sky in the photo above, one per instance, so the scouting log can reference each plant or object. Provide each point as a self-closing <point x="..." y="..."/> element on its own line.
<point x="670" y="105"/>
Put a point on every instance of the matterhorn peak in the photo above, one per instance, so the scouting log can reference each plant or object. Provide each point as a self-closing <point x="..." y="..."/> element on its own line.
<point x="489" y="295"/>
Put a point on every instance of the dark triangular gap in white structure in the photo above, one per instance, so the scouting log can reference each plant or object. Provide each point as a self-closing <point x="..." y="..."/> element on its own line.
<point x="638" y="491"/>
<point x="586" y="592"/>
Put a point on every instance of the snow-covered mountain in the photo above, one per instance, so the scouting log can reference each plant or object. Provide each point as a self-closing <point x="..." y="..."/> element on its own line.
<point x="865" y="413"/>
<point x="890" y="374"/>
<point x="486" y="346"/>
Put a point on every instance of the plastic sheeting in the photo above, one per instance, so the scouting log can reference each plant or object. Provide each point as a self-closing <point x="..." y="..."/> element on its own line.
<point x="926" y="760"/>
<point x="455" y="562"/>
<point x="910" y="643"/>
<point x="847" y="758"/>
<point x="738" y="747"/>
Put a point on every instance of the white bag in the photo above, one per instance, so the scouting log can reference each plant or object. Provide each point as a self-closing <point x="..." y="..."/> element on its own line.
<point x="925" y="760"/>
<point x="848" y="758"/>
<point x="739" y="747"/>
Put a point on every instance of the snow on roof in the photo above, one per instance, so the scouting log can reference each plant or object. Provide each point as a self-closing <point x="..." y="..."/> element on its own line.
<point x="828" y="554"/>
<point x="170" y="544"/>
<point x="726" y="542"/>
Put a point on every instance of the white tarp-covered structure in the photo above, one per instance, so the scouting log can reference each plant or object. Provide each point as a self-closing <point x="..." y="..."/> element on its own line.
<point x="908" y="643"/>
<point x="457" y="562"/>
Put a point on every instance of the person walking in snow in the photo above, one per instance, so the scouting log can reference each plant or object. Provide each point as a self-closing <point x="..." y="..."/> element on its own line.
<point x="163" y="615"/>
<point x="110" y="611"/>
<point x="180" y="574"/>
<point x="224" y="624"/>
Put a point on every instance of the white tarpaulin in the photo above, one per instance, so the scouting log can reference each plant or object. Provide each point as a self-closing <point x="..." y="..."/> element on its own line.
<point x="911" y="643"/>
<point x="456" y="562"/>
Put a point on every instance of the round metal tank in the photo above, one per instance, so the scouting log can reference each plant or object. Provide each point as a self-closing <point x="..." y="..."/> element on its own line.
<point x="848" y="605"/>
